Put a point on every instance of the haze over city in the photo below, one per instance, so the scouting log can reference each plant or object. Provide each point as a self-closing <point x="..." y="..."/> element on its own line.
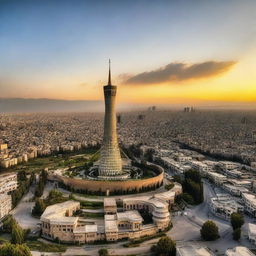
<point x="127" y="128"/>
<point x="165" y="53"/>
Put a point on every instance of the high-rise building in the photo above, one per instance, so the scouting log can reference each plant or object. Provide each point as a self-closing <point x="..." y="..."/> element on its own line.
<point x="110" y="163"/>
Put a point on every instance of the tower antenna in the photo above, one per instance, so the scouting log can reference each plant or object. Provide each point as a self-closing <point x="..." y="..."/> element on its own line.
<point x="109" y="73"/>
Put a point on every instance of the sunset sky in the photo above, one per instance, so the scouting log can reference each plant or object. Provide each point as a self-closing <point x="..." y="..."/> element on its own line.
<point x="162" y="52"/>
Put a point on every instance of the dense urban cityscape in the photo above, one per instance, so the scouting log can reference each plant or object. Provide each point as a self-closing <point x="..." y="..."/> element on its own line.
<point x="218" y="145"/>
<point x="127" y="128"/>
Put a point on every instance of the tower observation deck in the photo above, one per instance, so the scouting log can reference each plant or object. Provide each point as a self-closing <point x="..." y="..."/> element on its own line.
<point x="110" y="162"/>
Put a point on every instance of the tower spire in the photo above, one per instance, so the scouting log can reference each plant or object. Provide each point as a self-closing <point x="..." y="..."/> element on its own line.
<point x="109" y="73"/>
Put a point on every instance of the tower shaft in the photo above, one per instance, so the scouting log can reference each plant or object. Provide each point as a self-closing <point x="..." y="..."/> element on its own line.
<point x="110" y="163"/>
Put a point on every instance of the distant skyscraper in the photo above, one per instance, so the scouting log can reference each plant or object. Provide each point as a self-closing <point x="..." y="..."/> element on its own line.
<point x="110" y="163"/>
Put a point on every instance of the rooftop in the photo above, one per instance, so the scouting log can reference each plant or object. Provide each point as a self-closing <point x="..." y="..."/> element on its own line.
<point x="239" y="251"/>
<point x="129" y="216"/>
<point x="190" y="250"/>
<point x="109" y="201"/>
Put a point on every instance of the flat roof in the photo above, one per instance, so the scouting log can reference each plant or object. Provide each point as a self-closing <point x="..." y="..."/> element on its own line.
<point x="239" y="251"/>
<point x="57" y="211"/>
<point x="129" y="216"/>
<point x="110" y="223"/>
<point x="252" y="228"/>
<point x="190" y="250"/>
<point x="108" y="201"/>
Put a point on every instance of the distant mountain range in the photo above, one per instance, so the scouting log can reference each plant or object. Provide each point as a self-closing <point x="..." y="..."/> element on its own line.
<point x="22" y="105"/>
<point x="19" y="105"/>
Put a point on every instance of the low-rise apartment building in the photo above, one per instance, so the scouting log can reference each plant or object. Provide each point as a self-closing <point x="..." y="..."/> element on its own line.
<point x="223" y="206"/>
<point x="235" y="190"/>
<point x="217" y="178"/>
<point x="250" y="203"/>
<point x="5" y="205"/>
<point x="8" y="182"/>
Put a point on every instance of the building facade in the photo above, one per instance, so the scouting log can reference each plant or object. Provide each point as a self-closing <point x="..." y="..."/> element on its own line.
<point x="8" y="182"/>
<point x="5" y="205"/>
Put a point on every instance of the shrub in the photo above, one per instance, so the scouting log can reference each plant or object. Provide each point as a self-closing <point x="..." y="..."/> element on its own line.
<point x="237" y="220"/>
<point x="165" y="247"/>
<point x="209" y="231"/>
<point x="103" y="252"/>
<point x="237" y="234"/>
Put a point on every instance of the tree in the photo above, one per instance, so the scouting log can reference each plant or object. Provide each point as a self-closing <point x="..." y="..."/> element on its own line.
<point x="39" y="207"/>
<point x="237" y="220"/>
<point x="8" y="224"/>
<point x="103" y="252"/>
<point x="8" y="249"/>
<point x="17" y="235"/>
<point x="193" y="185"/>
<point x="209" y="231"/>
<point x="237" y="234"/>
<point x="188" y="198"/>
<point x="165" y="247"/>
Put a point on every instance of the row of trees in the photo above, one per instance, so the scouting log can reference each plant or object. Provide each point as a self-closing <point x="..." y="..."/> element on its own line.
<point x="41" y="184"/>
<point x="8" y="249"/>
<point x="210" y="230"/>
<point x="115" y="192"/>
<point x="24" y="184"/>
<point x="192" y="186"/>
<point x="18" y="235"/>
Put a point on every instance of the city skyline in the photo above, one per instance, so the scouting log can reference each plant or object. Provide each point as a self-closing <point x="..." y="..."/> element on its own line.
<point x="172" y="52"/>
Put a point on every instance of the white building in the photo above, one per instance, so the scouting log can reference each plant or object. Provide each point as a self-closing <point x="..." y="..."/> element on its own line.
<point x="227" y="165"/>
<point x="189" y="250"/>
<point x="252" y="233"/>
<point x="235" y="190"/>
<point x="8" y="182"/>
<point x="223" y="206"/>
<point x="239" y="251"/>
<point x="217" y="178"/>
<point x="250" y="203"/>
<point x="5" y="205"/>
<point x="174" y="165"/>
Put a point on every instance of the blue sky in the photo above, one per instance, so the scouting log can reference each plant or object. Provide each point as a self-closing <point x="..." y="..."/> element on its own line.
<point x="46" y="46"/>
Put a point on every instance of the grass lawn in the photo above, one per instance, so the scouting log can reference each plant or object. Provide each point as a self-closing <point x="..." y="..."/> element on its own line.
<point x="43" y="247"/>
<point x="92" y="215"/>
<point x="67" y="159"/>
<point x="91" y="205"/>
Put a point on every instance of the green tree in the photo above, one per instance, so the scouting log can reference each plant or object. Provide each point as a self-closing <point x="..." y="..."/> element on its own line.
<point x="8" y="224"/>
<point x="209" y="231"/>
<point x="193" y="185"/>
<point x="103" y="252"/>
<point x="8" y="249"/>
<point x="237" y="234"/>
<point x="165" y="247"/>
<point x="39" y="207"/>
<point x="237" y="220"/>
<point x="17" y="235"/>
<point x="188" y="198"/>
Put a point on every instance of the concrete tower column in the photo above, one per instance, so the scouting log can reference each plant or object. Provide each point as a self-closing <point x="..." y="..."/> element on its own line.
<point x="110" y="163"/>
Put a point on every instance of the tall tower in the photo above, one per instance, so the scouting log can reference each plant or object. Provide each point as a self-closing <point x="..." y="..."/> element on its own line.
<point x="110" y="163"/>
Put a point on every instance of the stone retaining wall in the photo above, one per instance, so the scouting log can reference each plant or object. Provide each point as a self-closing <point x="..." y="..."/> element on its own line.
<point x="111" y="186"/>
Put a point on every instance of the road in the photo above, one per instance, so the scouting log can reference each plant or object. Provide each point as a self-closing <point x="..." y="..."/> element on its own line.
<point x="22" y="212"/>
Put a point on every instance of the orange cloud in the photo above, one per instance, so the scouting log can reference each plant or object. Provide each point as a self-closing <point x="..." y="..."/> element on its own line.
<point x="180" y="71"/>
